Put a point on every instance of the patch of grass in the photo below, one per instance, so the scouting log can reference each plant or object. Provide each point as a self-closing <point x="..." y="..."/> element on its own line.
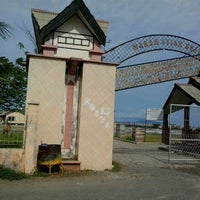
<point x="125" y="138"/>
<point x="128" y="138"/>
<point x="15" y="136"/>
<point x="41" y="174"/>
<point x="11" y="145"/>
<point x="11" y="141"/>
<point x="9" y="174"/>
<point x="153" y="138"/>
<point x="116" y="167"/>
<point x="157" y="138"/>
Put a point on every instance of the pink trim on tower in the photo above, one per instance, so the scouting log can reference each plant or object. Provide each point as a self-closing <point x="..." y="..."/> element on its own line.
<point x="69" y="116"/>
<point x="96" y="52"/>
<point x="96" y="55"/>
<point x="72" y="68"/>
<point x="48" y="50"/>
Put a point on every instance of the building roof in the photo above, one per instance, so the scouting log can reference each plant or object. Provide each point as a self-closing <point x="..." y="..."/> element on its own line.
<point x="45" y="22"/>
<point x="195" y="81"/>
<point x="185" y="94"/>
<point x="43" y="17"/>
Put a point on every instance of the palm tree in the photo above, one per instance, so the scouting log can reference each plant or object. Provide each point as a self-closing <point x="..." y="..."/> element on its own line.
<point x="4" y="30"/>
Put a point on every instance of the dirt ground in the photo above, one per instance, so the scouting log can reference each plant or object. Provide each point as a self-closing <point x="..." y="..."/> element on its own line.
<point x="145" y="174"/>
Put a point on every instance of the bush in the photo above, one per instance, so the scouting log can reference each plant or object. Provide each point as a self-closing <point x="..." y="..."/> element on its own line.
<point x="116" y="166"/>
<point x="9" y="174"/>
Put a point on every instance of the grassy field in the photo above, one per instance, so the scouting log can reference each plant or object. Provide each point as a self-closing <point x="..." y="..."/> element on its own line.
<point x="153" y="138"/>
<point x="14" y="140"/>
<point x="157" y="138"/>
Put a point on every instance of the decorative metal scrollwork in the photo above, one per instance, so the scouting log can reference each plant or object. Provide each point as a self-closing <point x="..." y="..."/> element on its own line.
<point x="155" y="72"/>
<point x="149" y="43"/>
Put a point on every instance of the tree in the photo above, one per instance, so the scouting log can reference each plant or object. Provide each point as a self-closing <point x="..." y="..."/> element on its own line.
<point x="5" y="30"/>
<point x="13" y="79"/>
<point x="29" y="34"/>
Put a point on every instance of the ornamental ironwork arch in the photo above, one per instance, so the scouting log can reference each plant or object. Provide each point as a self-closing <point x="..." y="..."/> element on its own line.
<point x="133" y="76"/>
<point x="150" y="43"/>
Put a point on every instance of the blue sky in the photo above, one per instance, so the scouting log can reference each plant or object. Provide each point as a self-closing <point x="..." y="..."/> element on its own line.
<point x="128" y="19"/>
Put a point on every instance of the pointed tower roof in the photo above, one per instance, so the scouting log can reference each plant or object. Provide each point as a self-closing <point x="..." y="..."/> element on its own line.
<point x="45" y="22"/>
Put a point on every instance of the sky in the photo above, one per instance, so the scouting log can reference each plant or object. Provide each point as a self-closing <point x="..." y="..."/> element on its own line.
<point x="128" y="19"/>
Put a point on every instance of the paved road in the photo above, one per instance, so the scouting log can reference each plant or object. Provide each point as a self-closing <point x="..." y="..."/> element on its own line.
<point x="145" y="175"/>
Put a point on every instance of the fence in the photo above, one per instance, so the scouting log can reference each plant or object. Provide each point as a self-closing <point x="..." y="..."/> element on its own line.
<point x="184" y="137"/>
<point x="11" y="136"/>
<point x="138" y="132"/>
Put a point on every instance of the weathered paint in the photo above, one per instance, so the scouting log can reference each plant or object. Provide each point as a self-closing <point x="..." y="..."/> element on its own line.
<point x="96" y="116"/>
<point x="12" y="158"/>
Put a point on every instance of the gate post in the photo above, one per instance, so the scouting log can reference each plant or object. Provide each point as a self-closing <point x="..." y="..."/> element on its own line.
<point x="165" y="130"/>
<point x="31" y="145"/>
<point x="186" y="127"/>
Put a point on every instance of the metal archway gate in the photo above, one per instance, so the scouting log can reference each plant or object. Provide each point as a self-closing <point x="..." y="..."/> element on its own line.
<point x="155" y="72"/>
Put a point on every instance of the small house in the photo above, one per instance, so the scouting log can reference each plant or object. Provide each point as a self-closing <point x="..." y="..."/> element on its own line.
<point x="15" y="118"/>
